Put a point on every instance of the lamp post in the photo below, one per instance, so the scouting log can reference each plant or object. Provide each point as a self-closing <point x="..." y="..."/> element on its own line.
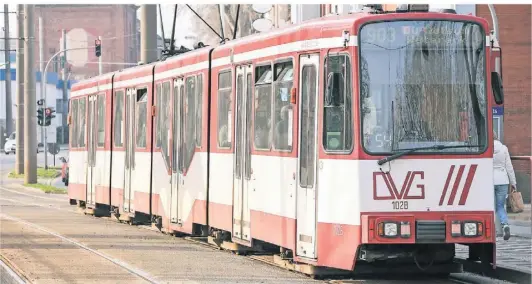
<point x="43" y="89"/>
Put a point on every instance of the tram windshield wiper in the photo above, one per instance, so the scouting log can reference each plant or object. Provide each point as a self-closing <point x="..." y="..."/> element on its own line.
<point x="408" y="151"/>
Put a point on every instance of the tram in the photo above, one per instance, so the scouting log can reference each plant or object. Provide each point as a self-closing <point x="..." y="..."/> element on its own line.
<point x="362" y="138"/>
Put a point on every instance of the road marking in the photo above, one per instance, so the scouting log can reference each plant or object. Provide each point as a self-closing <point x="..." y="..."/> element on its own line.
<point x="31" y="195"/>
<point x="14" y="276"/>
<point x="35" y="204"/>
<point x="142" y="274"/>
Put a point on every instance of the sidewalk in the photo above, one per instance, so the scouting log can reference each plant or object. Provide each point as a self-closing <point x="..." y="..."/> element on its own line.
<point x="526" y="215"/>
<point x="514" y="254"/>
<point x="520" y="223"/>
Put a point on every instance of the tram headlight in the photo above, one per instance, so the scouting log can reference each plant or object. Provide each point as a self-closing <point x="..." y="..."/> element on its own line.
<point x="472" y="229"/>
<point x="467" y="228"/>
<point x="388" y="229"/>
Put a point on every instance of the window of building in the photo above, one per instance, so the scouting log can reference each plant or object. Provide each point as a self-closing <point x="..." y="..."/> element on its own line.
<point x="224" y="109"/>
<point x="142" y="99"/>
<point x="282" y="110"/>
<point x="338" y="124"/>
<point x="101" y="120"/>
<point x="82" y="116"/>
<point x="199" y="109"/>
<point x="263" y="107"/>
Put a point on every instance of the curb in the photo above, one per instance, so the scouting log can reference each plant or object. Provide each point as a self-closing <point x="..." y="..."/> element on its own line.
<point x="10" y="273"/>
<point x="500" y="272"/>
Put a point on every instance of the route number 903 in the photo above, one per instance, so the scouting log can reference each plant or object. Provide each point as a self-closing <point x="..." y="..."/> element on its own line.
<point x="399" y="205"/>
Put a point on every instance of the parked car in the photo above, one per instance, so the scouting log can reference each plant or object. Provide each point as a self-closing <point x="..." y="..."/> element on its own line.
<point x="11" y="144"/>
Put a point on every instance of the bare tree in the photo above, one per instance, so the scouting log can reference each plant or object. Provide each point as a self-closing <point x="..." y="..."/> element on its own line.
<point x="210" y="13"/>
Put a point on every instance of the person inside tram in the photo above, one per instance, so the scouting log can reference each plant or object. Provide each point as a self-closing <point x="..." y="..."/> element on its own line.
<point x="281" y="129"/>
<point x="503" y="176"/>
<point x="262" y="133"/>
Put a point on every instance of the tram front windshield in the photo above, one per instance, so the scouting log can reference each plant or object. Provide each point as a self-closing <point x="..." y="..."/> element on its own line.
<point x="423" y="83"/>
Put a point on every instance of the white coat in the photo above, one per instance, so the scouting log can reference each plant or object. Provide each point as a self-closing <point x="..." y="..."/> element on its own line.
<point x="503" y="171"/>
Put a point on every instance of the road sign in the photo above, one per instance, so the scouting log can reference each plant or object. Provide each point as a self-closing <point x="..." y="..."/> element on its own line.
<point x="53" y="149"/>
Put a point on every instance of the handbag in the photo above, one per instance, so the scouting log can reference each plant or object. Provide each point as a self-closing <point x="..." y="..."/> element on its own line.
<point x="516" y="201"/>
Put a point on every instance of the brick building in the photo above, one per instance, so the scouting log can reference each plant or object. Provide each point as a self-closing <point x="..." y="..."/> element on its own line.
<point x="516" y="41"/>
<point x="116" y="24"/>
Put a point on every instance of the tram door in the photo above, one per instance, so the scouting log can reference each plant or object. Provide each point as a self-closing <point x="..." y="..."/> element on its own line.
<point x="307" y="172"/>
<point x="242" y="157"/>
<point x="131" y="99"/>
<point x="92" y="125"/>
<point x="178" y="139"/>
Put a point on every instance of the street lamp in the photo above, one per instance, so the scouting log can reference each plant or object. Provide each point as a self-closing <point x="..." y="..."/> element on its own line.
<point x="43" y="89"/>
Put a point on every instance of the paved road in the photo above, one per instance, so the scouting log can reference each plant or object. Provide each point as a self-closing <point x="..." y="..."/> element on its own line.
<point x="7" y="163"/>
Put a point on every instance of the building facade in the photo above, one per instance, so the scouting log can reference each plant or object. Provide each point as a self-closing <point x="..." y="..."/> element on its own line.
<point x="56" y="133"/>
<point x="115" y="24"/>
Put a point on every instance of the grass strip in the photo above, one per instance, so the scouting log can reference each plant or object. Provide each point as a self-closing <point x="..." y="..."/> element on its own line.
<point x="51" y="172"/>
<point x="47" y="188"/>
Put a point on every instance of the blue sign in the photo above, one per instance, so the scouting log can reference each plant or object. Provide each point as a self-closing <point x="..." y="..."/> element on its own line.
<point x="497" y="110"/>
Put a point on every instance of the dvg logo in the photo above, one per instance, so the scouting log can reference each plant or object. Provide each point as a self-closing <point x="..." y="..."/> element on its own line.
<point x="456" y="185"/>
<point x="407" y="185"/>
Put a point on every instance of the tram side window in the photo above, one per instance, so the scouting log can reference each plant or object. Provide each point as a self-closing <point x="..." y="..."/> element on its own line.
<point x="119" y="118"/>
<point x="282" y="110"/>
<point x="338" y="124"/>
<point x="224" y="109"/>
<point x="164" y="121"/>
<point x="101" y="120"/>
<point x="142" y="98"/>
<point x="158" y="108"/>
<point x="190" y="120"/>
<point x="82" y="118"/>
<point x="199" y="109"/>
<point x="74" y="124"/>
<point x="263" y="107"/>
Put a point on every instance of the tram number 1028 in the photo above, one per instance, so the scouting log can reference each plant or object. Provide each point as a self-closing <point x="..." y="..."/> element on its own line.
<point x="399" y="205"/>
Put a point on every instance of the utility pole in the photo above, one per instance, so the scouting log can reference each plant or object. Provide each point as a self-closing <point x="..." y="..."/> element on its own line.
<point x="30" y="121"/>
<point x="19" y="137"/>
<point x="65" y="84"/>
<point x="42" y="96"/>
<point x="100" y="65"/>
<point x="7" y="48"/>
<point x="148" y="33"/>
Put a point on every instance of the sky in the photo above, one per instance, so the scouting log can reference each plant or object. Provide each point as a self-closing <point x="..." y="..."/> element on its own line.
<point x="183" y="24"/>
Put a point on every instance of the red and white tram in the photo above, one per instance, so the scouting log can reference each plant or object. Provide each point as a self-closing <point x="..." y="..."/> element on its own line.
<point x="344" y="139"/>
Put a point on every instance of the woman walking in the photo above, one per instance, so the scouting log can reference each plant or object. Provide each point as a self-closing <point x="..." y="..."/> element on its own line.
<point x="503" y="175"/>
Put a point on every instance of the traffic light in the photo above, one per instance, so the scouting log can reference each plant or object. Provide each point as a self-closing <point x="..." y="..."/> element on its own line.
<point x="40" y="116"/>
<point x="49" y="114"/>
<point x="98" y="44"/>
